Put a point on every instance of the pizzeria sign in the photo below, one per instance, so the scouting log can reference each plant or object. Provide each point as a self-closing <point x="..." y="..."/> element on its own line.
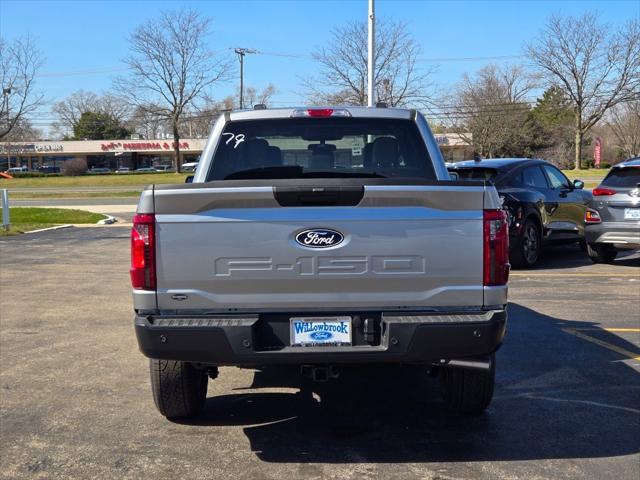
<point x="136" y="146"/>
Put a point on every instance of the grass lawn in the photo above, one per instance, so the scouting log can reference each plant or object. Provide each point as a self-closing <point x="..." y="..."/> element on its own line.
<point x="591" y="177"/>
<point x="25" y="219"/>
<point x="133" y="194"/>
<point x="116" y="180"/>
<point x="23" y="228"/>
<point x="588" y="174"/>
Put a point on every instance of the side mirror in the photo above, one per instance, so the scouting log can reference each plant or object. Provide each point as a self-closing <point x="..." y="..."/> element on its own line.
<point x="189" y="179"/>
<point x="454" y="176"/>
<point x="578" y="184"/>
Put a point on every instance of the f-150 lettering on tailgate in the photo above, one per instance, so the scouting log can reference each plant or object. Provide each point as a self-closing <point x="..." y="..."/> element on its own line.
<point x="354" y="265"/>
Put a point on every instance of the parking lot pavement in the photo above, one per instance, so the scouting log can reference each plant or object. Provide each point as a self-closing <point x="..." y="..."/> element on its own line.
<point x="76" y="403"/>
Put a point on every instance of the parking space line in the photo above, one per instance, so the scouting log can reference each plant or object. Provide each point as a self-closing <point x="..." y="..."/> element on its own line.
<point x="584" y="402"/>
<point x="523" y="274"/>
<point x="602" y="343"/>
<point x="610" y="329"/>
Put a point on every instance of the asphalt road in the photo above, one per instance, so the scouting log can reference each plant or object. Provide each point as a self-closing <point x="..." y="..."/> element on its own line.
<point x="75" y="400"/>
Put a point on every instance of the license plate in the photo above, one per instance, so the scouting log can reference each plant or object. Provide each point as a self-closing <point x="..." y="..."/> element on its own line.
<point x="315" y="331"/>
<point x="632" y="213"/>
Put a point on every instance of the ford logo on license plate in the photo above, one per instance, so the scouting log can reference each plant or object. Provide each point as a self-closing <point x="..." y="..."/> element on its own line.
<point x="319" y="238"/>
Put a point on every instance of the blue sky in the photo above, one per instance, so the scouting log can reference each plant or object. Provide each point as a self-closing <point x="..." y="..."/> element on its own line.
<point x="85" y="41"/>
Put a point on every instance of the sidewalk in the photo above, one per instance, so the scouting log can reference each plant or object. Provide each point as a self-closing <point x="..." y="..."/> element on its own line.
<point x="122" y="213"/>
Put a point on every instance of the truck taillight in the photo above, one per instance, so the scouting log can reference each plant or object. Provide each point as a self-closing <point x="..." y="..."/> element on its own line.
<point x="496" y="248"/>
<point x="143" y="252"/>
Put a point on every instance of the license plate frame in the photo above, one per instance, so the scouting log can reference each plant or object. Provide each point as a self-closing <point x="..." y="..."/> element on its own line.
<point x="321" y="331"/>
<point x="632" y="213"/>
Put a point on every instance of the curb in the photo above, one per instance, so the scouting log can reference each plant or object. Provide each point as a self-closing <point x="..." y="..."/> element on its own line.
<point x="57" y="227"/>
<point x="107" y="221"/>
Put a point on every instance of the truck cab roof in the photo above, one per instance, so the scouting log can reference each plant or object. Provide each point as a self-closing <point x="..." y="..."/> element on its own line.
<point x="351" y="111"/>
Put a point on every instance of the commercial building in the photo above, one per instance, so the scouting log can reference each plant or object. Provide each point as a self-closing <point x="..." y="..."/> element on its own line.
<point x="455" y="147"/>
<point x="111" y="154"/>
<point x="133" y="154"/>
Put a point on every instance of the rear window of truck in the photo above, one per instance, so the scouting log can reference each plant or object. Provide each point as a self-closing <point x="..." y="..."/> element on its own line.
<point x="321" y="148"/>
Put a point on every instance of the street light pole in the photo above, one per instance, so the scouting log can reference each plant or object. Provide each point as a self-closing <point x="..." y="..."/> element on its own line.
<point x="241" y="53"/>
<point x="371" y="59"/>
<point x="5" y="105"/>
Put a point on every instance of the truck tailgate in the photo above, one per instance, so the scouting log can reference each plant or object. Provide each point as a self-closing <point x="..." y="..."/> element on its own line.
<point x="228" y="249"/>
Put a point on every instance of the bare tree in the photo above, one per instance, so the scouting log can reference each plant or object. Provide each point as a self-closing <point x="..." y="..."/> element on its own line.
<point x="23" y="131"/>
<point x="598" y="68"/>
<point x="198" y="123"/>
<point x="172" y="68"/>
<point x="343" y="75"/>
<point x="492" y="107"/>
<point x="69" y="110"/>
<point x="253" y="96"/>
<point x="20" y="62"/>
<point x="146" y="123"/>
<point x="624" y="121"/>
<point x="115" y="106"/>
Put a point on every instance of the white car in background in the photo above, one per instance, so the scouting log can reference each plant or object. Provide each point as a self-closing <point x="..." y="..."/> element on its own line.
<point x="17" y="170"/>
<point x="189" y="166"/>
<point x="164" y="168"/>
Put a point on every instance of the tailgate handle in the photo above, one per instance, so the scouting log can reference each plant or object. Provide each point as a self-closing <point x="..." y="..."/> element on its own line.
<point x="319" y="196"/>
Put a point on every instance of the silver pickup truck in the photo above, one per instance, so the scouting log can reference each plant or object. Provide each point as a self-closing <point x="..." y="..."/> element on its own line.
<point x="319" y="238"/>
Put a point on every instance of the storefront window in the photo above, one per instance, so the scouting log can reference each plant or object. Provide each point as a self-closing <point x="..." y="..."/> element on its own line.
<point x="56" y="161"/>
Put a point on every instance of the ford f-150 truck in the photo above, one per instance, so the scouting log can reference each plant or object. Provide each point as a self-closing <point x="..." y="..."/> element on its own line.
<point x="319" y="238"/>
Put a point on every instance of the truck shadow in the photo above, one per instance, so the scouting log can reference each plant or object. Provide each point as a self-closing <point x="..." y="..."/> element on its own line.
<point x="557" y="396"/>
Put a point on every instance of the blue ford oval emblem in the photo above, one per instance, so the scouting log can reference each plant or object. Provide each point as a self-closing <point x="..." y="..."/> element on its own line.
<point x="320" y="336"/>
<point x="319" y="238"/>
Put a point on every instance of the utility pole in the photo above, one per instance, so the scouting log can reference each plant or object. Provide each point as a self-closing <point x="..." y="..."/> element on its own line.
<point x="371" y="60"/>
<point x="241" y="53"/>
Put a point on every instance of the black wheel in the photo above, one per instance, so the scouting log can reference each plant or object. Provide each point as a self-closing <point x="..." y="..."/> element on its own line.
<point x="467" y="390"/>
<point x="526" y="251"/>
<point x="601" y="252"/>
<point x="179" y="389"/>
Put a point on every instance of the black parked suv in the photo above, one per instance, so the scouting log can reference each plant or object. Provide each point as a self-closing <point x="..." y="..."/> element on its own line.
<point x="543" y="206"/>
<point x="613" y="221"/>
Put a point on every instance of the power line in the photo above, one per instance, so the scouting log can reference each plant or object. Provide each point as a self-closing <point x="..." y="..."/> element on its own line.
<point x="113" y="69"/>
<point x="72" y="73"/>
<point x="469" y="59"/>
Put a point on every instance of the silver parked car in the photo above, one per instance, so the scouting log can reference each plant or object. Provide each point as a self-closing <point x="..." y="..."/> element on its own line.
<point x="613" y="219"/>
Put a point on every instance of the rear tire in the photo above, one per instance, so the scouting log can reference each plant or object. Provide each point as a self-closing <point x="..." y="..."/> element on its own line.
<point x="467" y="390"/>
<point x="601" y="252"/>
<point x="179" y="389"/>
<point x="527" y="250"/>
